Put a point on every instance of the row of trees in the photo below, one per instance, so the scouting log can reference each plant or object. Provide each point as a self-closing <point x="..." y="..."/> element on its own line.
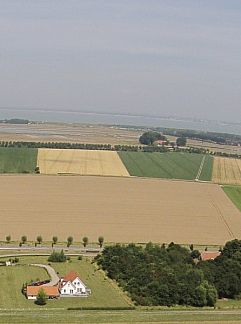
<point x="159" y="275"/>
<point x="69" y="241"/>
<point x="220" y="138"/>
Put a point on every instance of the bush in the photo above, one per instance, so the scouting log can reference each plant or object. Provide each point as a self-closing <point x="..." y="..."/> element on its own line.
<point x="57" y="257"/>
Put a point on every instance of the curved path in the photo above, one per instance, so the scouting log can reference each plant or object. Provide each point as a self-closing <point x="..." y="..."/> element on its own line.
<point x="53" y="275"/>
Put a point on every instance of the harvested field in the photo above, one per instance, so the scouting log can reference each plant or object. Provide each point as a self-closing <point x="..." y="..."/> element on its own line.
<point x="226" y="170"/>
<point x="69" y="133"/>
<point x="83" y="162"/>
<point x="120" y="209"/>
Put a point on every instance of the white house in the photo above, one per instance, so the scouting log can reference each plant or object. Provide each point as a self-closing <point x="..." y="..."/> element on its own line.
<point x="71" y="285"/>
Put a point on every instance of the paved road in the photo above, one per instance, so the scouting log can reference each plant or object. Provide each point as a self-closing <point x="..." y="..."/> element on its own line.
<point x="53" y="275"/>
<point x="44" y="254"/>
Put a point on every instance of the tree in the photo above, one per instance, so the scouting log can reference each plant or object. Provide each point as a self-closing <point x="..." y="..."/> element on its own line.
<point x="41" y="297"/>
<point x="24" y="239"/>
<point x="55" y="239"/>
<point x="39" y="239"/>
<point x="69" y="241"/>
<point x="195" y="254"/>
<point x="148" y="138"/>
<point x="181" y="141"/>
<point x="85" y="241"/>
<point x="8" y="238"/>
<point x="101" y="241"/>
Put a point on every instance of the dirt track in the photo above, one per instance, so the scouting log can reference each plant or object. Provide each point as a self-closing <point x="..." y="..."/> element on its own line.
<point x="120" y="209"/>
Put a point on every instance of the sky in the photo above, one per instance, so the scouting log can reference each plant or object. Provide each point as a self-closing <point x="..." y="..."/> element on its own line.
<point x="156" y="57"/>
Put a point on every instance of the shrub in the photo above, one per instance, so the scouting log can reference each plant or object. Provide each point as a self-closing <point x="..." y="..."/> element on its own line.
<point x="57" y="257"/>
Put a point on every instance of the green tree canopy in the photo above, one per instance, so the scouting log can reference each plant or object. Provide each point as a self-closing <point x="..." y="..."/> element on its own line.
<point x="41" y="297"/>
<point x="181" y="141"/>
<point x="148" y="138"/>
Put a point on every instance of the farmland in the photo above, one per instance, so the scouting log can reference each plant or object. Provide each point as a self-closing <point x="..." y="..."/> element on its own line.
<point x="226" y="170"/>
<point x="17" y="160"/>
<point x="120" y="209"/>
<point x="234" y="193"/>
<point x="172" y="165"/>
<point x="12" y="279"/>
<point x="83" y="162"/>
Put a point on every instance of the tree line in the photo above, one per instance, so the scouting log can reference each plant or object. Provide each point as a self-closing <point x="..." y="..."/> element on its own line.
<point x="171" y="275"/>
<point x="69" y="241"/>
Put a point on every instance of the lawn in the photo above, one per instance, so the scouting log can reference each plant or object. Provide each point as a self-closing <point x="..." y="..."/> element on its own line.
<point x="171" y="165"/>
<point x="17" y="160"/>
<point x="44" y="315"/>
<point x="105" y="293"/>
<point x="234" y="193"/>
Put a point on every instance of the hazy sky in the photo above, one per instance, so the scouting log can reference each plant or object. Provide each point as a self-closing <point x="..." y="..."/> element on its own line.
<point x="130" y="56"/>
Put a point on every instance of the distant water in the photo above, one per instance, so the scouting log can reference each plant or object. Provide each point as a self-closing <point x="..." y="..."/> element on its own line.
<point x="115" y="119"/>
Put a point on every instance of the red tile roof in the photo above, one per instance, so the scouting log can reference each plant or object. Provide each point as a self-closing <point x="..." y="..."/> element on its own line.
<point x="51" y="291"/>
<point x="209" y="255"/>
<point x="71" y="276"/>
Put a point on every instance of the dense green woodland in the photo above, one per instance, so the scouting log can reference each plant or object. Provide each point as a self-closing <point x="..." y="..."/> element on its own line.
<point x="159" y="275"/>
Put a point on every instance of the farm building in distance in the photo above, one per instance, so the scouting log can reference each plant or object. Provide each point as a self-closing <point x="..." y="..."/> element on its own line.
<point x="209" y="255"/>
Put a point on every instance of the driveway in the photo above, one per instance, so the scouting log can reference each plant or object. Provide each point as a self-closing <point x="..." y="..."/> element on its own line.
<point x="53" y="275"/>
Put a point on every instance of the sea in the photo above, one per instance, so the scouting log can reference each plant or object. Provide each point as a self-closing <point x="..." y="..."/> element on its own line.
<point x="121" y="119"/>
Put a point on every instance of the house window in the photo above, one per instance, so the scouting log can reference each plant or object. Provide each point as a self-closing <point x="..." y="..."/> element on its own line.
<point x="71" y="291"/>
<point x="79" y="289"/>
<point x="64" y="290"/>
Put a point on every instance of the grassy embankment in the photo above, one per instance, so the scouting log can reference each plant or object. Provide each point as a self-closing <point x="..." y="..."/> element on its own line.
<point x="18" y="160"/>
<point x="234" y="193"/>
<point x="172" y="165"/>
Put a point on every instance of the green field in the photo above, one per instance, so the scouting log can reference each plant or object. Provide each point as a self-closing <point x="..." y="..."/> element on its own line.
<point x="234" y="193"/>
<point x="17" y="160"/>
<point x="171" y="165"/>
<point x="104" y="292"/>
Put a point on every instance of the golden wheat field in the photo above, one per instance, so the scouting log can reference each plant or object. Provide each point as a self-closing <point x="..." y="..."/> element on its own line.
<point x="226" y="170"/>
<point x="121" y="209"/>
<point x="82" y="162"/>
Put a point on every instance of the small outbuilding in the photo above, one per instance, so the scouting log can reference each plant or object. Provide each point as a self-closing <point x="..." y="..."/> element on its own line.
<point x="50" y="291"/>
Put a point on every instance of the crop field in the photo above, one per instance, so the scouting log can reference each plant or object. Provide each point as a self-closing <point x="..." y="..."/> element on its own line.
<point x="120" y="209"/>
<point x="17" y="160"/>
<point x="234" y="193"/>
<point x="12" y="279"/>
<point x="83" y="162"/>
<point x="226" y="170"/>
<point x="173" y="165"/>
